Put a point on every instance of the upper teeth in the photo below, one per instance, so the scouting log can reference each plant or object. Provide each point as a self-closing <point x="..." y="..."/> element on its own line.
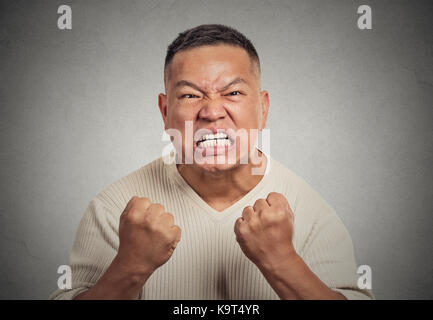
<point x="218" y="135"/>
<point x="211" y="140"/>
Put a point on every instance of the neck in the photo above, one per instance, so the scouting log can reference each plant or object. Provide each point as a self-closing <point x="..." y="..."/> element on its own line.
<point x="220" y="189"/>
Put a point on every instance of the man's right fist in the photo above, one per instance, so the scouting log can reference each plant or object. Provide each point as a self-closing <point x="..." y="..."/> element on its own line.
<point x="147" y="236"/>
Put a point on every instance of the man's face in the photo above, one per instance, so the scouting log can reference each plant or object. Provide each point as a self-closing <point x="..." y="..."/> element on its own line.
<point x="216" y="88"/>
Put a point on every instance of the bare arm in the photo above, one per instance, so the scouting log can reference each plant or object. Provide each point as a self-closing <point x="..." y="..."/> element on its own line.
<point x="293" y="279"/>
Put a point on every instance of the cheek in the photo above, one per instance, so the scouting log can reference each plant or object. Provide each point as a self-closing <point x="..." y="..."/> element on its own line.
<point x="178" y="114"/>
<point x="246" y="114"/>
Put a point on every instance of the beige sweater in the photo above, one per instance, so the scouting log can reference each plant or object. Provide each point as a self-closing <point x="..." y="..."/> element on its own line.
<point x="208" y="262"/>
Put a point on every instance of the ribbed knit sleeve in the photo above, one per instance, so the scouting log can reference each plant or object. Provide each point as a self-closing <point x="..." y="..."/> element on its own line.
<point x="328" y="248"/>
<point x="94" y="248"/>
<point x="330" y="256"/>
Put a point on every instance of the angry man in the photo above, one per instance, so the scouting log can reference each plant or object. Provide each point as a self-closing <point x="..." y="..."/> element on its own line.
<point x="228" y="222"/>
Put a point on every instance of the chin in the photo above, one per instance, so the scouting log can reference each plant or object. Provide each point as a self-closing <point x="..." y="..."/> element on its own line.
<point x="216" y="167"/>
<point x="221" y="164"/>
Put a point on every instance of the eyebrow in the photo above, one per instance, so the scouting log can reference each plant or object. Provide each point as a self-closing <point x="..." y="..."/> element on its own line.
<point x="183" y="83"/>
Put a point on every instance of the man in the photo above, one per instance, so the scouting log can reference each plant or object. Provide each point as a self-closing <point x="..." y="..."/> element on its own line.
<point x="225" y="221"/>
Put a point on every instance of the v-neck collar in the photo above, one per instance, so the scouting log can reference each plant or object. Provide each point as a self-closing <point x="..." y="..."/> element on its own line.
<point x="216" y="215"/>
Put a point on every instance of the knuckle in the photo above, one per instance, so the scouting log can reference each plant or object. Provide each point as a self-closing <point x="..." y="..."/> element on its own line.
<point x="268" y="217"/>
<point x="156" y="207"/>
<point x="134" y="215"/>
<point x="258" y="203"/>
<point x="281" y="215"/>
<point x="254" y="224"/>
<point x="169" y="217"/>
<point x="275" y="194"/>
<point x="144" y="201"/>
<point x="238" y="222"/>
<point x="272" y="194"/>
<point x="246" y="214"/>
<point x="275" y="197"/>
<point x="248" y="209"/>
<point x="178" y="231"/>
<point x="159" y="206"/>
<point x="243" y="228"/>
<point x="265" y="217"/>
<point x="151" y="226"/>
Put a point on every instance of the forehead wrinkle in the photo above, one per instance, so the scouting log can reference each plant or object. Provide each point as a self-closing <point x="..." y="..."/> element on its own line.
<point x="254" y="69"/>
<point x="187" y="83"/>
<point x="233" y="82"/>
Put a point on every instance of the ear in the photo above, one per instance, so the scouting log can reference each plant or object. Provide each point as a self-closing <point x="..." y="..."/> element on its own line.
<point x="264" y="103"/>
<point x="162" y="104"/>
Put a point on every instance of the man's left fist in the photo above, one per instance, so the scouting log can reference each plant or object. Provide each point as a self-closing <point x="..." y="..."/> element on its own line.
<point x="264" y="232"/>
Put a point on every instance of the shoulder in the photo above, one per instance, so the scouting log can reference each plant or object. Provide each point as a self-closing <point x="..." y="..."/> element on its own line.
<point x="304" y="200"/>
<point x="315" y="218"/>
<point x="136" y="183"/>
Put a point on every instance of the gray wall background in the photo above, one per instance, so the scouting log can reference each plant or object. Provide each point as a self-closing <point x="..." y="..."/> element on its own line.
<point x="351" y="112"/>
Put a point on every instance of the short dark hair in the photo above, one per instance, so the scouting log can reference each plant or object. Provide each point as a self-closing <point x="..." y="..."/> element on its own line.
<point x="210" y="34"/>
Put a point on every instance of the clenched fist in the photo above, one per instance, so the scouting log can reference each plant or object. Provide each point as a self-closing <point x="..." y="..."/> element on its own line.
<point x="264" y="232"/>
<point x="147" y="235"/>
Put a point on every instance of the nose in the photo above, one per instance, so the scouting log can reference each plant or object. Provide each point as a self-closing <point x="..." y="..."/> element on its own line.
<point x="212" y="110"/>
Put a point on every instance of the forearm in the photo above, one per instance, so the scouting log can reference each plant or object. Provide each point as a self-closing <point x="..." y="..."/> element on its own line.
<point x="293" y="279"/>
<point x="117" y="283"/>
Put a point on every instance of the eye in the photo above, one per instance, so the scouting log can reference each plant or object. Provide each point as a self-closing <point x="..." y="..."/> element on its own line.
<point x="234" y="93"/>
<point x="189" y="96"/>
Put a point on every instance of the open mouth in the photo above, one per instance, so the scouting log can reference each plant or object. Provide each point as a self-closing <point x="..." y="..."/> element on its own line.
<point x="219" y="139"/>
